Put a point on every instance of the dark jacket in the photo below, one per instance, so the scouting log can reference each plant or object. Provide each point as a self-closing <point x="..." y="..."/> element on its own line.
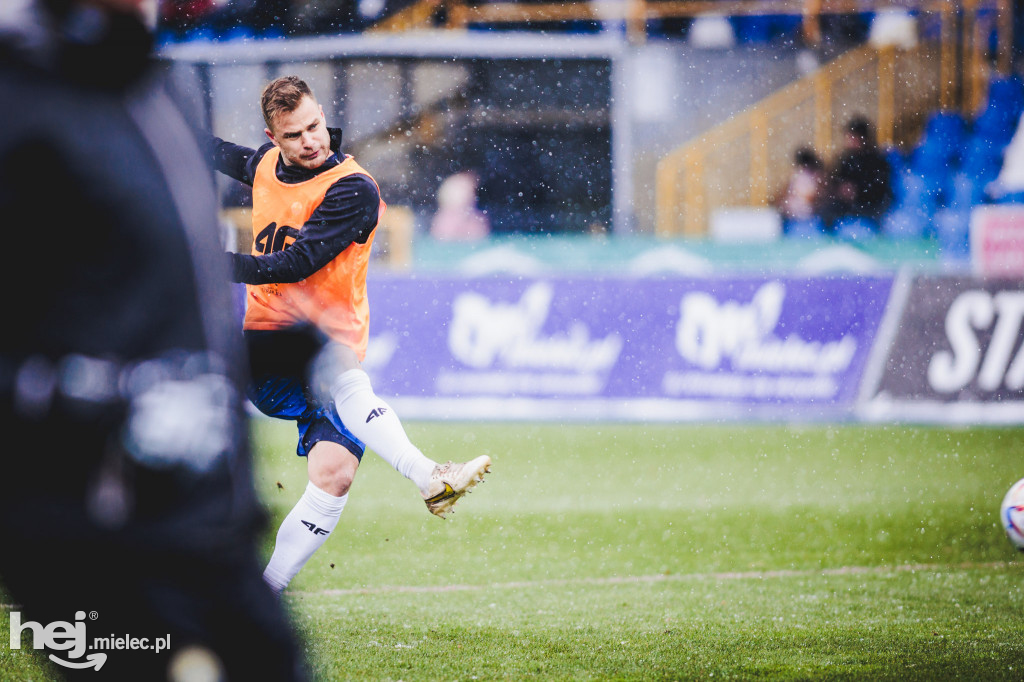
<point x="128" y="490"/>
<point x="120" y="329"/>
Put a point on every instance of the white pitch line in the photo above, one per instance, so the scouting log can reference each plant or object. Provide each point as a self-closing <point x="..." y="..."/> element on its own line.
<point x="621" y="580"/>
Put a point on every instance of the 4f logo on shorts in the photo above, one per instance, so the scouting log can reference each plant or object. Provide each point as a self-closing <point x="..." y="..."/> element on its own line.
<point x="314" y="529"/>
<point x="376" y="412"/>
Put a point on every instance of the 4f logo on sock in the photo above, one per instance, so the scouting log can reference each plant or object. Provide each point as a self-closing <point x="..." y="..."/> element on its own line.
<point x="314" y="529"/>
<point x="376" y="412"/>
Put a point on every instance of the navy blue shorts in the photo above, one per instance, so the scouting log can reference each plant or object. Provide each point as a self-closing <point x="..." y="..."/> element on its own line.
<point x="280" y="388"/>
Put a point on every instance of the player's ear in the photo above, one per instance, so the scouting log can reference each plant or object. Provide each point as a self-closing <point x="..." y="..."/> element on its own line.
<point x="271" y="136"/>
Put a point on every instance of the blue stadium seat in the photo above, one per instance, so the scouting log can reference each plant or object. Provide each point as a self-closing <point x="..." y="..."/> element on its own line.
<point x="903" y="183"/>
<point x="904" y="223"/>
<point x="939" y="153"/>
<point x="947" y="125"/>
<point x="967" y="192"/>
<point x="200" y="34"/>
<point x="897" y="160"/>
<point x="788" y="25"/>
<point x="951" y="229"/>
<point x="983" y="158"/>
<point x="943" y="137"/>
<point x="752" y="29"/>
<point x="942" y="141"/>
<point x="809" y="228"/>
<point x="935" y="171"/>
<point x="166" y="37"/>
<point x="238" y="33"/>
<point x="912" y="191"/>
<point x="1006" y="92"/>
<point x="855" y="228"/>
<point x="1003" y="108"/>
<point x="993" y="124"/>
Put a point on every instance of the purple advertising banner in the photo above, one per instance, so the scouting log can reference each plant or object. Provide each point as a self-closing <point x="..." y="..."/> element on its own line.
<point x="658" y="349"/>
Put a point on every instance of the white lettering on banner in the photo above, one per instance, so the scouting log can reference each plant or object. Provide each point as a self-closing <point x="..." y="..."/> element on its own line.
<point x="740" y="386"/>
<point x="710" y="332"/>
<point x="485" y="334"/>
<point x="996" y="366"/>
<point x="546" y="383"/>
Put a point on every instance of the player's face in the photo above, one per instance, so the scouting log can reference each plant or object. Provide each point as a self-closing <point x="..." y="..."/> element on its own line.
<point x="302" y="135"/>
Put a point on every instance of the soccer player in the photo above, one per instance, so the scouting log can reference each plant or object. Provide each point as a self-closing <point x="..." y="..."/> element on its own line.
<point x="307" y="319"/>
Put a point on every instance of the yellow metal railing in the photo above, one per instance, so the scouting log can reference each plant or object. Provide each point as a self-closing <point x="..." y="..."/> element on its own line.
<point x="747" y="159"/>
<point x="416" y="16"/>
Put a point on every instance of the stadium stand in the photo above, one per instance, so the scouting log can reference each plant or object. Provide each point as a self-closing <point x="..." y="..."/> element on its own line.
<point x="945" y="103"/>
<point x="948" y="170"/>
<point x="752" y="22"/>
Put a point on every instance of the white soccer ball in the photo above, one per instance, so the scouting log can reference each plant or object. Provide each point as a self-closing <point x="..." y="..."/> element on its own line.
<point x="1012" y="514"/>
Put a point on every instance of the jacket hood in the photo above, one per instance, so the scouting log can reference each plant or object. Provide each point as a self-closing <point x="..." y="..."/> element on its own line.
<point x="78" y="42"/>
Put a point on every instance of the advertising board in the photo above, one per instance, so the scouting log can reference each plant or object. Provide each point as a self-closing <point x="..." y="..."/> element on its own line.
<point x="997" y="240"/>
<point x="623" y="348"/>
<point x="952" y="352"/>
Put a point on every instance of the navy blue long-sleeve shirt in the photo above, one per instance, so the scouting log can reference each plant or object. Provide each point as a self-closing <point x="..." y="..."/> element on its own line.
<point x="348" y="214"/>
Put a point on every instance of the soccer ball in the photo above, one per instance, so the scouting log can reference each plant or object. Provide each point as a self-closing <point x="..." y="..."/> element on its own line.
<point x="1012" y="514"/>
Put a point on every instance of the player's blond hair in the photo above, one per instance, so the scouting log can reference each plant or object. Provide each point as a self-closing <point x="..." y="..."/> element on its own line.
<point x="283" y="95"/>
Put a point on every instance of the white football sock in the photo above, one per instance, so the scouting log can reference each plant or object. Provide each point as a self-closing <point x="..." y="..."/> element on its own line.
<point x="373" y="421"/>
<point x="302" y="532"/>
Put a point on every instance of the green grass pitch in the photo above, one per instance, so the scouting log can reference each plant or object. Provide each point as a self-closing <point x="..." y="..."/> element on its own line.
<point x="666" y="552"/>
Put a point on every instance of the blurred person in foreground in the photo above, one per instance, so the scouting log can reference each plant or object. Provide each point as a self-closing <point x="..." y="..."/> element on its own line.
<point x="129" y="508"/>
<point x="860" y="182"/>
<point x="307" y="319"/>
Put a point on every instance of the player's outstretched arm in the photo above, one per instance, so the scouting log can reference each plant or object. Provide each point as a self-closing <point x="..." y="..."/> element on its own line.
<point x="233" y="160"/>
<point x="238" y="161"/>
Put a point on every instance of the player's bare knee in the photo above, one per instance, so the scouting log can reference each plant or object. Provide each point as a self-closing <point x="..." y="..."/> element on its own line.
<point x="332" y="468"/>
<point x="335" y="483"/>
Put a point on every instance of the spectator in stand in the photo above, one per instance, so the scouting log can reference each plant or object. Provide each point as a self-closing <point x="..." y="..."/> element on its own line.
<point x="799" y="203"/>
<point x="860" y="183"/>
<point x="458" y="217"/>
